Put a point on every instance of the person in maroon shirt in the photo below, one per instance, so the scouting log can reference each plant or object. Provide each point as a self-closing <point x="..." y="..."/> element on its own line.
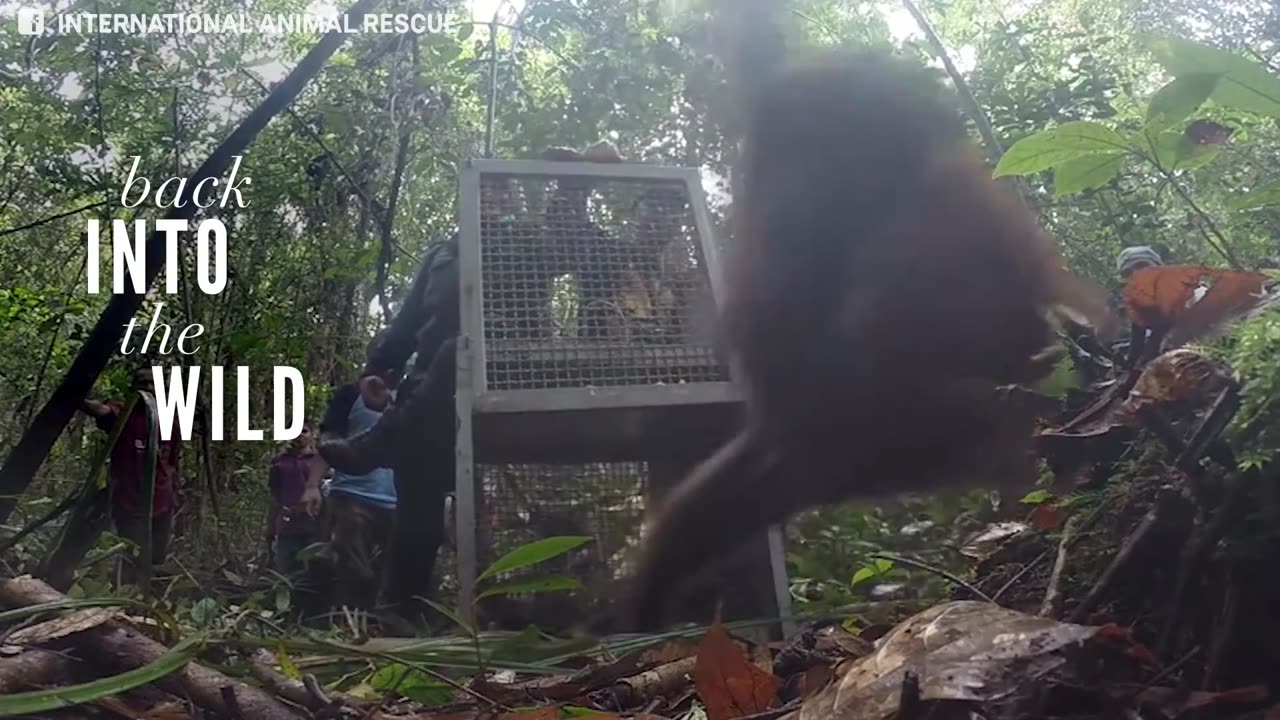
<point x="128" y="462"/>
<point x="290" y="527"/>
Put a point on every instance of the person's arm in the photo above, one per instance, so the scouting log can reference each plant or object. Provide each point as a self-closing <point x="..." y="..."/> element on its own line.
<point x="103" y="414"/>
<point x="311" y="497"/>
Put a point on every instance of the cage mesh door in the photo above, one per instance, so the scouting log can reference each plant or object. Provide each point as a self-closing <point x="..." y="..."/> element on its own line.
<point x="593" y="282"/>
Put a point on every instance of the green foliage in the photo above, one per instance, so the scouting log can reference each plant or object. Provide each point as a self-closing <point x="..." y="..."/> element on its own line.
<point x="1253" y="350"/>
<point x="1061" y="380"/>
<point x="410" y="683"/>
<point x="1181" y="97"/>
<point x="1085" y="173"/>
<point x="1067" y="142"/>
<point x="878" y="568"/>
<point x="533" y="553"/>
<point x="1036" y="497"/>
<point x="550" y="583"/>
<point x="1244" y="84"/>
<point x="1265" y="196"/>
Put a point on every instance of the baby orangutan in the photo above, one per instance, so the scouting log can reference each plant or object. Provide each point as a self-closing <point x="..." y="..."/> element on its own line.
<point x="880" y="291"/>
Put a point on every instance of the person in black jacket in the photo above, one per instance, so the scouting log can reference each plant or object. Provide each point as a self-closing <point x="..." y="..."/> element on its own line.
<point x="415" y="436"/>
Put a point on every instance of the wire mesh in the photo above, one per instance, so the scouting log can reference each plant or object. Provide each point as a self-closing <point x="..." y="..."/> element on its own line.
<point x="518" y="504"/>
<point x="593" y="282"/>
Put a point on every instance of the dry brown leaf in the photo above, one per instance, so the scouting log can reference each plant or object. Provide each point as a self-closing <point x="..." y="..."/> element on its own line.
<point x="62" y="626"/>
<point x="1176" y="376"/>
<point x="1048" y="517"/>
<point x="964" y="651"/>
<point x="815" y="679"/>
<point x="667" y="652"/>
<point x="728" y="683"/>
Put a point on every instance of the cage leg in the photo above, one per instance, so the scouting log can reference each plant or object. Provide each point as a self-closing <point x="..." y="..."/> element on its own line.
<point x="465" y="490"/>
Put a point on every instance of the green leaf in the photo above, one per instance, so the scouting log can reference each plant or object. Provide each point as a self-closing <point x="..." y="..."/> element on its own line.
<point x="1085" y="173"/>
<point x="1036" y="497"/>
<point x="865" y="573"/>
<point x="287" y="666"/>
<point x="282" y="598"/>
<point x="204" y="611"/>
<point x="534" y="553"/>
<point x="1061" y="380"/>
<point x="1178" y="99"/>
<point x="1264" y="196"/>
<point x="449" y="613"/>
<point x="1244" y="84"/>
<point x="410" y="683"/>
<point x="41" y="701"/>
<point x="1173" y="151"/>
<point x="1066" y="142"/>
<point x="550" y="583"/>
<point x="464" y="33"/>
<point x="883" y="566"/>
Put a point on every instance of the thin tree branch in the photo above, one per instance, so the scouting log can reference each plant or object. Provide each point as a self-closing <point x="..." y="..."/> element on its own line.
<point x="53" y="218"/>
<point x="1206" y="225"/>
<point x="979" y="117"/>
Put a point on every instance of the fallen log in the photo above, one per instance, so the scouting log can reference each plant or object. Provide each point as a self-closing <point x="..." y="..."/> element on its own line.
<point x="117" y="647"/>
<point x="35" y="670"/>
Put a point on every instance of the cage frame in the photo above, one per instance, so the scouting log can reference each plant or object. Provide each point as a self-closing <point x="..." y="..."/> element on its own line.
<point x="473" y="396"/>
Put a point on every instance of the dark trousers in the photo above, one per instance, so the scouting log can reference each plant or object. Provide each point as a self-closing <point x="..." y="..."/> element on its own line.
<point x="133" y="528"/>
<point x="361" y="534"/>
<point x="424" y="472"/>
<point x="287" y="548"/>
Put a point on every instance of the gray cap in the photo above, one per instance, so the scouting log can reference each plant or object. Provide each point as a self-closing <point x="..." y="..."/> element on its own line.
<point x="1137" y="255"/>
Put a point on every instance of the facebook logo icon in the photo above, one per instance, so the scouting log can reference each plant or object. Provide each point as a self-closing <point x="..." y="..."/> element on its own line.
<point x="30" y="21"/>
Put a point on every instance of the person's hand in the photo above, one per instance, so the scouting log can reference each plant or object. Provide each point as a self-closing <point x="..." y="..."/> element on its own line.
<point x="375" y="392"/>
<point x="311" y="500"/>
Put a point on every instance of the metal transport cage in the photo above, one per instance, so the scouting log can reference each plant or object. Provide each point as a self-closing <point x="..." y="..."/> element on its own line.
<point x="588" y="378"/>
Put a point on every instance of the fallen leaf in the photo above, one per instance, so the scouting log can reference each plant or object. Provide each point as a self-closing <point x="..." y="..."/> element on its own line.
<point x="1176" y="376"/>
<point x="814" y="679"/>
<point x="69" y="624"/>
<point x="1122" y="639"/>
<point x="667" y="652"/>
<point x="1048" y="517"/>
<point x="728" y="683"/>
<point x="991" y="538"/>
<point x="965" y="651"/>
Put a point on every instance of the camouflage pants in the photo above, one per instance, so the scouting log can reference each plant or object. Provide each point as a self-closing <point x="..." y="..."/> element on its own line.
<point x="361" y="535"/>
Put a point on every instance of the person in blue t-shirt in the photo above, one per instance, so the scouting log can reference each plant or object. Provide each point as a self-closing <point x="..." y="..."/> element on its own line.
<point x="361" y="507"/>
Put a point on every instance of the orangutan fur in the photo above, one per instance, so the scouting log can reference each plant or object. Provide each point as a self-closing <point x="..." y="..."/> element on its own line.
<point x="880" y="289"/>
